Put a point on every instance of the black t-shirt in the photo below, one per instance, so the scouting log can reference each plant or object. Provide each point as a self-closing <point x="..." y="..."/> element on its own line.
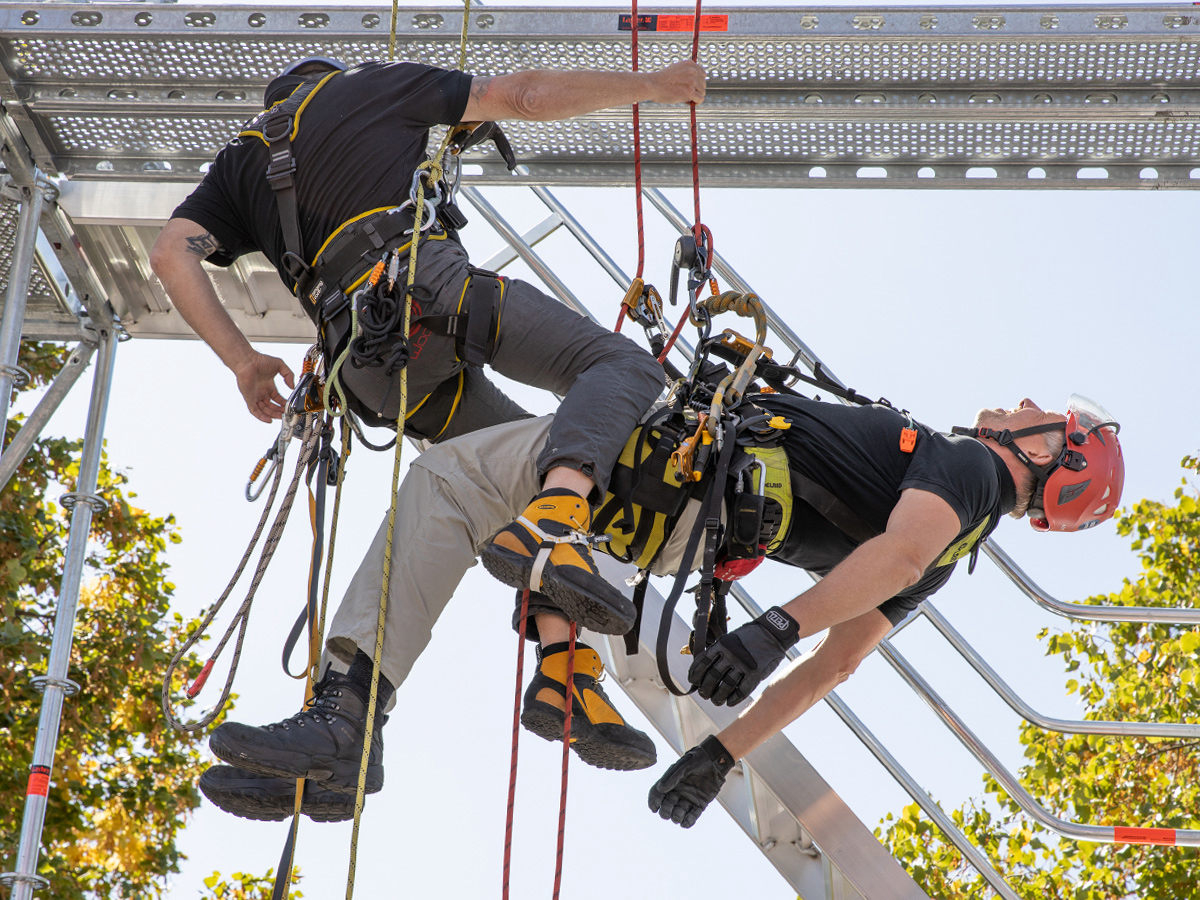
<point x="360" y="139"/>
<point x="854" y="452"/>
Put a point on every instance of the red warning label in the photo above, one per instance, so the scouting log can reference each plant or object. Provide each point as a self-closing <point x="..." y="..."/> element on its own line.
<point x="674" y="23"/>
<point x="1165" y="836"/>
<point x="39" y="781"/>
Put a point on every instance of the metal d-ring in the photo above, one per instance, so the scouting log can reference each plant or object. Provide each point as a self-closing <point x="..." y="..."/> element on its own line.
<point x="41" y="682"/>
<point x="72" y="498"/>
<point x="19" y="376"/>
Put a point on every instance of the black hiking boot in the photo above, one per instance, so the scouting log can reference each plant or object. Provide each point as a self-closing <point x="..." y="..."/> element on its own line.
<point x="567" y="576"/>
<point x="599" y="735"/>
<point x="322" y="743"/>
<point x="267" y="798"/>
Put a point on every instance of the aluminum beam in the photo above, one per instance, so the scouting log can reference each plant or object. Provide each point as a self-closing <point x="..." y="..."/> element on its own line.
<point x="1029" y="97"/>
<point x="19" y="273"/>
<point x="15" y="453"/>
<point x="802" y="827"/>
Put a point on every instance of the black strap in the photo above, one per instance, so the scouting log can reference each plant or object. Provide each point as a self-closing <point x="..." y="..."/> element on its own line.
<point x="639" y="603"/>
<point x="276" y="127"/>
<point x="483" y="307"/>
<point x="709" y="516"/>
<point x="834" y="510"/>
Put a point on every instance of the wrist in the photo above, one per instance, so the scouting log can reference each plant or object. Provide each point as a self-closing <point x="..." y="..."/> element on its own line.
<point x="715" y="751"/>
<point x="782" y="627"/>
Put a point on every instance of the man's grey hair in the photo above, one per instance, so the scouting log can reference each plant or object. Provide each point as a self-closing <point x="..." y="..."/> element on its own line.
<point x="1027" y="483"/>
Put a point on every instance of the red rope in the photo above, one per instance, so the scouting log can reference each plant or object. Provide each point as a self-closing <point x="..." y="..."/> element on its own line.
<point x="695" y="133"/>
<point x="637" y="168"/>
<point x="562" y="799"/>
<point x="512" y="772"/>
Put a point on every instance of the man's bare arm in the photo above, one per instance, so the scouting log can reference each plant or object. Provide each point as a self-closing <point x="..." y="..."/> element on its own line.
<point x="180" y="248"/>
<point x="815" y="675"/>
<point x="546" y="95"/>
<point x="922" y="525"/>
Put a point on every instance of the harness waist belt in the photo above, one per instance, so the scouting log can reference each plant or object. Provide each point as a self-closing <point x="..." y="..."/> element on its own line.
<point x="355" y="249"/>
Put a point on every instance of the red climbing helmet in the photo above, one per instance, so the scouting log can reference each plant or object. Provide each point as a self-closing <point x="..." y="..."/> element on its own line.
<point x="1081" y="488"/>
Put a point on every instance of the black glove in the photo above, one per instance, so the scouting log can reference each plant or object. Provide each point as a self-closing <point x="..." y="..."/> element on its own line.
<point x="737" y="663"/>
<point x="686" y="789"/>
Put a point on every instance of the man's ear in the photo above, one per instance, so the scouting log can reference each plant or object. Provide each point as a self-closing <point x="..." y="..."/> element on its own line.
<point x="1035" y="448"/>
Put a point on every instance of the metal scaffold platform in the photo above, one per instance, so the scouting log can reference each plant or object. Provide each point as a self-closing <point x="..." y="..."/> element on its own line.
<point x="112" y="111"/>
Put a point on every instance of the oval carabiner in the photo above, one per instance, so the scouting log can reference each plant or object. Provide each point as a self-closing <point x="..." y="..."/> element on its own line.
<point x="272" y="457"/>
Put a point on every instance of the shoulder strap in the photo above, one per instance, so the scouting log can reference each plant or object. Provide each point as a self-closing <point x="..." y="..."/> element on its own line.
<point x="276" y="127"/>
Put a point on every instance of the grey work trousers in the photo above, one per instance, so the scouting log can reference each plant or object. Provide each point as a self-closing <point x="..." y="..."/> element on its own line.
<point x="606" y="380"/>
<point x="455" y="496"/>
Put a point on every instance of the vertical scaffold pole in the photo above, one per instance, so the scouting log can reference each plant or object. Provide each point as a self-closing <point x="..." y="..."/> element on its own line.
<point x="55" y="685"/>
<point x="20" y="271"/>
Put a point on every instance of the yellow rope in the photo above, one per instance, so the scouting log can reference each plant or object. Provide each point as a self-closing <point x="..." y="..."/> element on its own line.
<point x="434" y="167"/>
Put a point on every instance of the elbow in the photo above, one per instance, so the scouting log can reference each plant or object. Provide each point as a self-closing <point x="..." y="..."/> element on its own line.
<point x="160" y="258"/>
<point x="843" y="667"/>
<point x="530" y="101"/>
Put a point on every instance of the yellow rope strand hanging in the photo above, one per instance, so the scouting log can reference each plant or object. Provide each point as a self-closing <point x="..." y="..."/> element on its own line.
<point x="434" y="169"/>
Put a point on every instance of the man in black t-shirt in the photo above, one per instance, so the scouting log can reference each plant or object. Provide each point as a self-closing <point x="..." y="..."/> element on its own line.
<point x="927" y="509"/>
<point x="356" y="137"/>
<point x="921" y="511"/>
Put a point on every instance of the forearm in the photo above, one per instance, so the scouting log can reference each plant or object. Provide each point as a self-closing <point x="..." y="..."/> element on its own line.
<point x="875" y="572"/>
<point x="195" y="299"/>
<point x="546" y="95"/>
<point x="781" y="703"/>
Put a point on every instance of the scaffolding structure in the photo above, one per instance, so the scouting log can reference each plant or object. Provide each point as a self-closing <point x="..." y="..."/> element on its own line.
<point x="111" y="112"/>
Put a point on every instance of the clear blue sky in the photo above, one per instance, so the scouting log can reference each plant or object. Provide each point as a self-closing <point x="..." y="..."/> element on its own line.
<point x="941" y="301"/>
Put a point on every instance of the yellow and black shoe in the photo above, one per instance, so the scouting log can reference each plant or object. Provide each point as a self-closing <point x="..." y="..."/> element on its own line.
<point x="547" y="549"/>
<point x="598" y="733"/>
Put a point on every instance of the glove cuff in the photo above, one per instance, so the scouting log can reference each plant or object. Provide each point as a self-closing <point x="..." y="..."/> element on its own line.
<point x="715" y="751"/>
<point x="780" y="626"/>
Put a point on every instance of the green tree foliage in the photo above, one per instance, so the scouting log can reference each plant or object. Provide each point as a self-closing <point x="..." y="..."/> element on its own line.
<point x="123" y="780"/>
<point x="241" y="886"/>
<point x="1120" y="671"/>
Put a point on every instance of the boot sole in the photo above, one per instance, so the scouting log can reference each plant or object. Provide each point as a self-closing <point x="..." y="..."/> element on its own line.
<point x="590" y="612"/>
<point x="273" y="799"/>
<point x="334" y="775"/>
<point x="604" y="746"/>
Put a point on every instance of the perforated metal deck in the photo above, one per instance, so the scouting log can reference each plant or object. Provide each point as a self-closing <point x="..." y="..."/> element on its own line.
<point x="1003" y="97"/>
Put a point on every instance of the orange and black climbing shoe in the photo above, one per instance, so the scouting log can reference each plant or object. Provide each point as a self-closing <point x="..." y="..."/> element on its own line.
<point x="598" y="732"/>
<point x="547" y="549"/>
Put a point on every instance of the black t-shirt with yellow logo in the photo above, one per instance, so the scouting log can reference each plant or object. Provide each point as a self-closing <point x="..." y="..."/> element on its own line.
<point x="854" y="453"/>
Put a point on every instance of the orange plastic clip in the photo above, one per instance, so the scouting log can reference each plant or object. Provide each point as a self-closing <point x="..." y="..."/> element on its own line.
<point x="908" y="440"/>
<point x="376" y="274"/>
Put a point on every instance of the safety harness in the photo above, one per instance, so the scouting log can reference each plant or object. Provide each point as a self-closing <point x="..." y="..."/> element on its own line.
<point x="360" y="326"/>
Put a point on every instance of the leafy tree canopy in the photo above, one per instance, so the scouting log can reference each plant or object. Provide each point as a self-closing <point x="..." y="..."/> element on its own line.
<point x="123" y="780"/>
<point x="1121" y="671"/>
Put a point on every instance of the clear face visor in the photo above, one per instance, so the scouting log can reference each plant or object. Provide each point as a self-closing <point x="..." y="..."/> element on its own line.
<point x="1090" y="415"/>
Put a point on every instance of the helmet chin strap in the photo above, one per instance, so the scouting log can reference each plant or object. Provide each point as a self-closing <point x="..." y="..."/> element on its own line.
<point x="1008" y="438"/>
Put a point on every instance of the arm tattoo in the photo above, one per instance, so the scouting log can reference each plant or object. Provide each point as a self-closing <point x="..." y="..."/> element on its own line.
<point x="480" y="88"/>
<point x="204" y="245"/>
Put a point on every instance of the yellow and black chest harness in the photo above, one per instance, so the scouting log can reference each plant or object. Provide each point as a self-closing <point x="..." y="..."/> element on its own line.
<point x="332" y="285"/>
<point x="670" y="462"/>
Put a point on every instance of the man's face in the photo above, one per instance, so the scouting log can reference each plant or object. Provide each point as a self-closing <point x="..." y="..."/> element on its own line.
<point x="1025" y="414"/>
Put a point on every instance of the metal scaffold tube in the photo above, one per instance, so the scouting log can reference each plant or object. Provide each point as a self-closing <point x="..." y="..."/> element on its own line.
<point x="1102" y="834"/>
<point x="15" y="453"/>
<point x="1177" y="730"/>
<point x="20" y="272"/>
<point x="1087" y="612"/>
<point x="55" y="685"/>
